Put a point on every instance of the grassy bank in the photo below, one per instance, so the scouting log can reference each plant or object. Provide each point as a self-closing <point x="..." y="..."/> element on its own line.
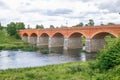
<point x="68" y="71"/>
<point x="10" y="43"/>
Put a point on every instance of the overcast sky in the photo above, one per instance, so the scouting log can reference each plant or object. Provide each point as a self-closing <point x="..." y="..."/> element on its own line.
<point x="59" y="12"/>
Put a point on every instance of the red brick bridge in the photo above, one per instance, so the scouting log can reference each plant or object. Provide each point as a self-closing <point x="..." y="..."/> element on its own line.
<point x="70" y="38"/>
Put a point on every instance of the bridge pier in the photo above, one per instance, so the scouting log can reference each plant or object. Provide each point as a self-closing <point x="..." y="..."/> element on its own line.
<point x="56" y="41"/>
<point x="56" y="44"/>
<point x="72" y="43"/>
<point x="94" y="45"/>
<point x="42" y="41"/>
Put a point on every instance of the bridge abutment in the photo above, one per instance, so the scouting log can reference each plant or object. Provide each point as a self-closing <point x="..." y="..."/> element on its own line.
<point x="94" y="45"/>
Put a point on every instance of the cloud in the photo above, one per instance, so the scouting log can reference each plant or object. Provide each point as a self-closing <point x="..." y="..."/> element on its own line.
<point x="3" y="5"/>
<point x="111" y="6"/>
<point x="48" y="12"/>
<point x="57" y="12"/>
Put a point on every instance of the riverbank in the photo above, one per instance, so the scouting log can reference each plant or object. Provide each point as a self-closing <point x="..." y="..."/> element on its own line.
<point x="105" y="67"/>
<point x="68" y="71"/>
<point x="10" y="43"/>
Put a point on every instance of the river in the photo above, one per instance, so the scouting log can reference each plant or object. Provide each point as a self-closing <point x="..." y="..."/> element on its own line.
<point x="20" y="59"/>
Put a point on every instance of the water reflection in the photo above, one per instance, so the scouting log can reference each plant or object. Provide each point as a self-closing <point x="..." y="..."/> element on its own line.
<point x="19" y="59"/>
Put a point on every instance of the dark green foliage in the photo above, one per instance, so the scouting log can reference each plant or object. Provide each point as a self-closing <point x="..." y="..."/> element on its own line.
<point x="20" y="25"/>
<point x="91" y="22"/>
<point x="51" y="26"/>
<point x="11" y="29"/>
<point x="110" y="56"/>
<point x="79" y="25"/>
<point x="44" y="50"/>
<point x="39" y="26"/>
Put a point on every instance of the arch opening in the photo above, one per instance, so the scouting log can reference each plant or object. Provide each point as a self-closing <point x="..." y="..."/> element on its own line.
<point x="56" y="42"/>
<point x="43" y="40"/>
<point x="33" y="38"/>
<point x="25" y="34"/>
<point x="44" y="35"/>
<point x="76" y="40"/>
<point x="98" y="41"/>
<point x="25" y="37"/>
<point x="58" y="35"/>
<point x="103" y="35"/>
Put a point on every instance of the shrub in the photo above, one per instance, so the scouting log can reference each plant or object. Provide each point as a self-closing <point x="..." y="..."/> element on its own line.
<point x="110" y="56"/>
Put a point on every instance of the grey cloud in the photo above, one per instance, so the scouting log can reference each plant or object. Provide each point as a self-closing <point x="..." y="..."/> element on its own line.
<point x="57" y="12"/>
<point x="49" y="12"/>
<point x="112" y="6"/>
<point x="3" y="5"/>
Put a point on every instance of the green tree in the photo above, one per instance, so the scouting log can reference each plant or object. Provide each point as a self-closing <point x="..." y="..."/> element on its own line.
<point x="20" y="25"/>
<point x="110" y="23"/>
<point x="79" y="25"/>
<point x="51" y="26"/>
<point x="110" y="56"/>
<point x="11" y="28"/>
<point x="39" y="26"/>
<point x="91" y="22"/>
<point x="1" y="27"/>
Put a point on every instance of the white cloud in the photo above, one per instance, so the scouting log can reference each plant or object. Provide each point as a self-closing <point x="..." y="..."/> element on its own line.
<point x="58" y="12"/>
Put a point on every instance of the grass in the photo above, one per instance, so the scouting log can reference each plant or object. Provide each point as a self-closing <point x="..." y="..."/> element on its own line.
<point x="68" y="71"/>
<point x="10" y="43"/>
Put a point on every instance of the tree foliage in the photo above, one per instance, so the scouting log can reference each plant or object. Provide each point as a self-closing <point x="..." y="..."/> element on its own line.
<point x="91" y="22"/>
<point x="39" y="26"/>
<point x="51" y="26"/>
<point x="110" y="56"/>
<point x="79" y="25"/>
<point x="12" y="28"/>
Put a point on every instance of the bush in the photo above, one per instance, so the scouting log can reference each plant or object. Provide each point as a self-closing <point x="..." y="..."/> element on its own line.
<point x="110" y="56"/>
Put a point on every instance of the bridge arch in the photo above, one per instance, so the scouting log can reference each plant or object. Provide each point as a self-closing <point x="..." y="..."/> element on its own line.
<point x="76" y="34"/>
<point x="57" y="40"/>
<point x="100" y="35"/>
<point x="75" y="40"/>
<point x="97" y="41"/>
<point x="43" y="40"/>
<point x="25" y="37"/>
<point x="58" y="34"/>
<point x="33" y="38"/>
<point x="44" y="35"/>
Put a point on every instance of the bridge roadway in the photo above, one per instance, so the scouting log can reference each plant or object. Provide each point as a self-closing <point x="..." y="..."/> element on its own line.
<point x="70" y="38"/>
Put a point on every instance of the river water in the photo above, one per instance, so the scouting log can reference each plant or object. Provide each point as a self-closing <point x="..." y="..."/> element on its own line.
<point x="20" y="59"/>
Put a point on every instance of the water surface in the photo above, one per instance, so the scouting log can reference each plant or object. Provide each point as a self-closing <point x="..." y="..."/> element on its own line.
<point x="20" y="59"/>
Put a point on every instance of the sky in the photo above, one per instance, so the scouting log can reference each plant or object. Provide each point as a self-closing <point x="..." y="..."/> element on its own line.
<point x="59" y="12"/>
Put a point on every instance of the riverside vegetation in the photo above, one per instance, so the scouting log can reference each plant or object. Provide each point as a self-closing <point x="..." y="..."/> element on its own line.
<point x="8" y="42"/>
<point x="105" y="67"/>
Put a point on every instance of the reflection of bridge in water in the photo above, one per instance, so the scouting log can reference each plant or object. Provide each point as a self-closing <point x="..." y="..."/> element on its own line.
<point x="70" y="38"/>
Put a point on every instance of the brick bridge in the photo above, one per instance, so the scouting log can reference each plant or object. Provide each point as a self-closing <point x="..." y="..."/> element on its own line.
<point x="70" y="38"/>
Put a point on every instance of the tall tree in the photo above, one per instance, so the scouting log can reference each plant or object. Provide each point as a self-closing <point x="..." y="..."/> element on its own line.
<point x="111" y="23"/>
<point x="51" y="26"/>
<point x="79" y="25"/>
<point x="1" y="27"/>
<point x="39" y="26"/>
<point x="91" y="22"/>
<point x="11" y="28"/>
<point x="20" y="25"/>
